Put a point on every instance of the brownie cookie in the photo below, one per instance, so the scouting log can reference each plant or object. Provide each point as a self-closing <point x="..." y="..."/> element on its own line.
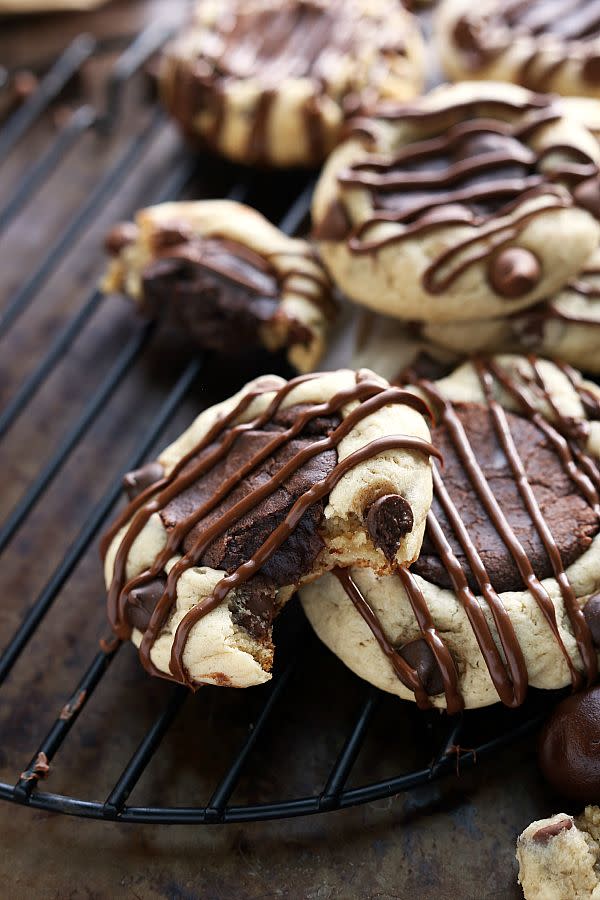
<point x="475" y="201"/>
<point x="224" y="274"/>
<point x="263" y="492"/>
<point x="558" y="857"/>
<point x="567" y="326"/>
<point x="271" y="82"/>
<point x="511" y="555"/>
<point x="545" y="45"/>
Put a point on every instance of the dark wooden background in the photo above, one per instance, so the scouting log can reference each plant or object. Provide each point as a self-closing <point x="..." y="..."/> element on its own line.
<point x="452" y="839"/>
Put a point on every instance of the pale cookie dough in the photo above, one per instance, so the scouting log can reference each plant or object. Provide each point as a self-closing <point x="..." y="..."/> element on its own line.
<point x="559" y="857"/>
<point x="482" y="543"/>
<point x="357" y="480"/>
<point x="545" y="45"/>
<point x="566" y="327"/>
<point x="221" y="271"/>
<point x="475" y="201"/>
<point x="271" y="82"/>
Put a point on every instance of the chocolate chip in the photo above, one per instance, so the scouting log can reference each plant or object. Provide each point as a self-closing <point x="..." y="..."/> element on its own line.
<point x="514" y="272"/>
<point x="591" y="612"/>
<point x="335" y="224"/>
<point x="388" y="519"/>
<point x="139" y="479"/>
<point x="543" y="835"/>
<point x="419" y="655"/>
<point x="171" y="236"/>
<point x="587" y="195"/>
<point x="119" y="237"/>
<point x="141" y="602"/>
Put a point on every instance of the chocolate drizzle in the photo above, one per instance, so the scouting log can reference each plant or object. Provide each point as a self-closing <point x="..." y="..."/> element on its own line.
<point x="505" y="663"/>
<point x="563" y="30"/>
<point x="479" y="173"/>
<point x="370" y="396"/>
<point x="269" y="43"/>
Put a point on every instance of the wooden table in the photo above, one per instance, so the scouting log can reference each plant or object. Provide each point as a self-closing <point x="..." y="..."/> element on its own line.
<point x="451" y="839"/>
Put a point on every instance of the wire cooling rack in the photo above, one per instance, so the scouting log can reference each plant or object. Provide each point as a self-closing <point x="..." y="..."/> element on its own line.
<point x="442" y="738"/>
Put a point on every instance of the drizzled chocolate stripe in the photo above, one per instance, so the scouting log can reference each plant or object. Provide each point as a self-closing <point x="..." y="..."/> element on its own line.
<point x="573" y="24"/>
<point x="508" y="672"/>
<point x="475" y="173"/>
<point x="370" y="396"/>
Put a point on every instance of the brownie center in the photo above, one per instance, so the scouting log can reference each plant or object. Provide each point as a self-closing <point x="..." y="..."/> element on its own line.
<point x="571" y="520"/>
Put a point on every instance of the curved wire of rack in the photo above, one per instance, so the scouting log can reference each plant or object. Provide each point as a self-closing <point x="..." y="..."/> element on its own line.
<point x="333" y="794"/>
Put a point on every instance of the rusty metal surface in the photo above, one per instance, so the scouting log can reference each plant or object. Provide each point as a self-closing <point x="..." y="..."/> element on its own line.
<point x="452" y="839"/>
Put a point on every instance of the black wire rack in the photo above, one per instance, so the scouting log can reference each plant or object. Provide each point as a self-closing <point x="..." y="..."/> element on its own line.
<point x="445" y="735"/>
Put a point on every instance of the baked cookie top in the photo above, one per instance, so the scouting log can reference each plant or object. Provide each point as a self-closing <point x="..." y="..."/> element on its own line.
<point x="511" y="554"/>
<point x="271" y="82"/>
<point x="549" y="45"/>
<point x="222" y="272"/>
<point x="262" y="492"/>
<point x="474" y="201"/>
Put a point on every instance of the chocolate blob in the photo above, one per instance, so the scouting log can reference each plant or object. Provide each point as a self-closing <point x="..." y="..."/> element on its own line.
<point x="571" y="519"/>
<point x="544" y="834"/>
<point x="419" y="655"/>
<point x="389" y="519"/>
<point x="141" y="601"/>
<point x="587" y="195"/>
<point x="569" y="748"/>
<point x="138" y="480"/>
<point x="514" y="272"/>
<point x="119" y="237"/>
<point x="591" y="611"/>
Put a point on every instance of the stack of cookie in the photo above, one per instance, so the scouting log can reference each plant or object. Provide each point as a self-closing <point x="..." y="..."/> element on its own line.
<point x="470" y="219"/>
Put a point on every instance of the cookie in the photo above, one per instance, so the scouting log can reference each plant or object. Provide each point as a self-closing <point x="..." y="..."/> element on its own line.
<point x="263" y="491"/>
<point x="225" y="275"/>
<point x="558" y="857"/>
<point x="545" y="45"/>
<point x="566" y="327"/>
<point x="266" y="82"/>
<point x="475" y="201"/>
<point x="511" y="556"/>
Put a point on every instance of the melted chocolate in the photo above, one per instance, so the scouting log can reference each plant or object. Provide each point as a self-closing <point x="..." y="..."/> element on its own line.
<point x="574" y="26"/>
<point x="472" y="172"/>
<point x="281" y="465"/>
<point x="222" y="293"/>
<point x="495" y="525"/>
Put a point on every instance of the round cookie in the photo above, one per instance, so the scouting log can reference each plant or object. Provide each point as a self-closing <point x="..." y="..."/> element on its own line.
<point x="566" y="327"/>
<point x="266" y="82"/>
<point x="511" y="554"/>
<point x="475" y="201"/>
<point x="262" y="492"/>
<point x="220" y="271"/>
<point x="558" y="857"/>
<point x="568" y="746"/>
<point x="545" y="45"/>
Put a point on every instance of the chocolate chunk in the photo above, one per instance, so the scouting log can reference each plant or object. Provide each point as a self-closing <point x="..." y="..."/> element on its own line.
<point x="139" y="479"/>
<point x="590" y="70"/>
<point x="141" y="602"/>
<point x="591" y="612"/>
<point x="543" y="835"/>
<point x="171" y="236"/>
<point x="514" y="272"/>
<point x="569" y="749"/>
<point x="335" y="224"/>
<point x="587" y="195"/>
<point x="119" y="237"/>
<point x="570" y="518"/>
<point x="419" y="655"/>
<point x="388" y="519"/>
<point x="244" y="535"/>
